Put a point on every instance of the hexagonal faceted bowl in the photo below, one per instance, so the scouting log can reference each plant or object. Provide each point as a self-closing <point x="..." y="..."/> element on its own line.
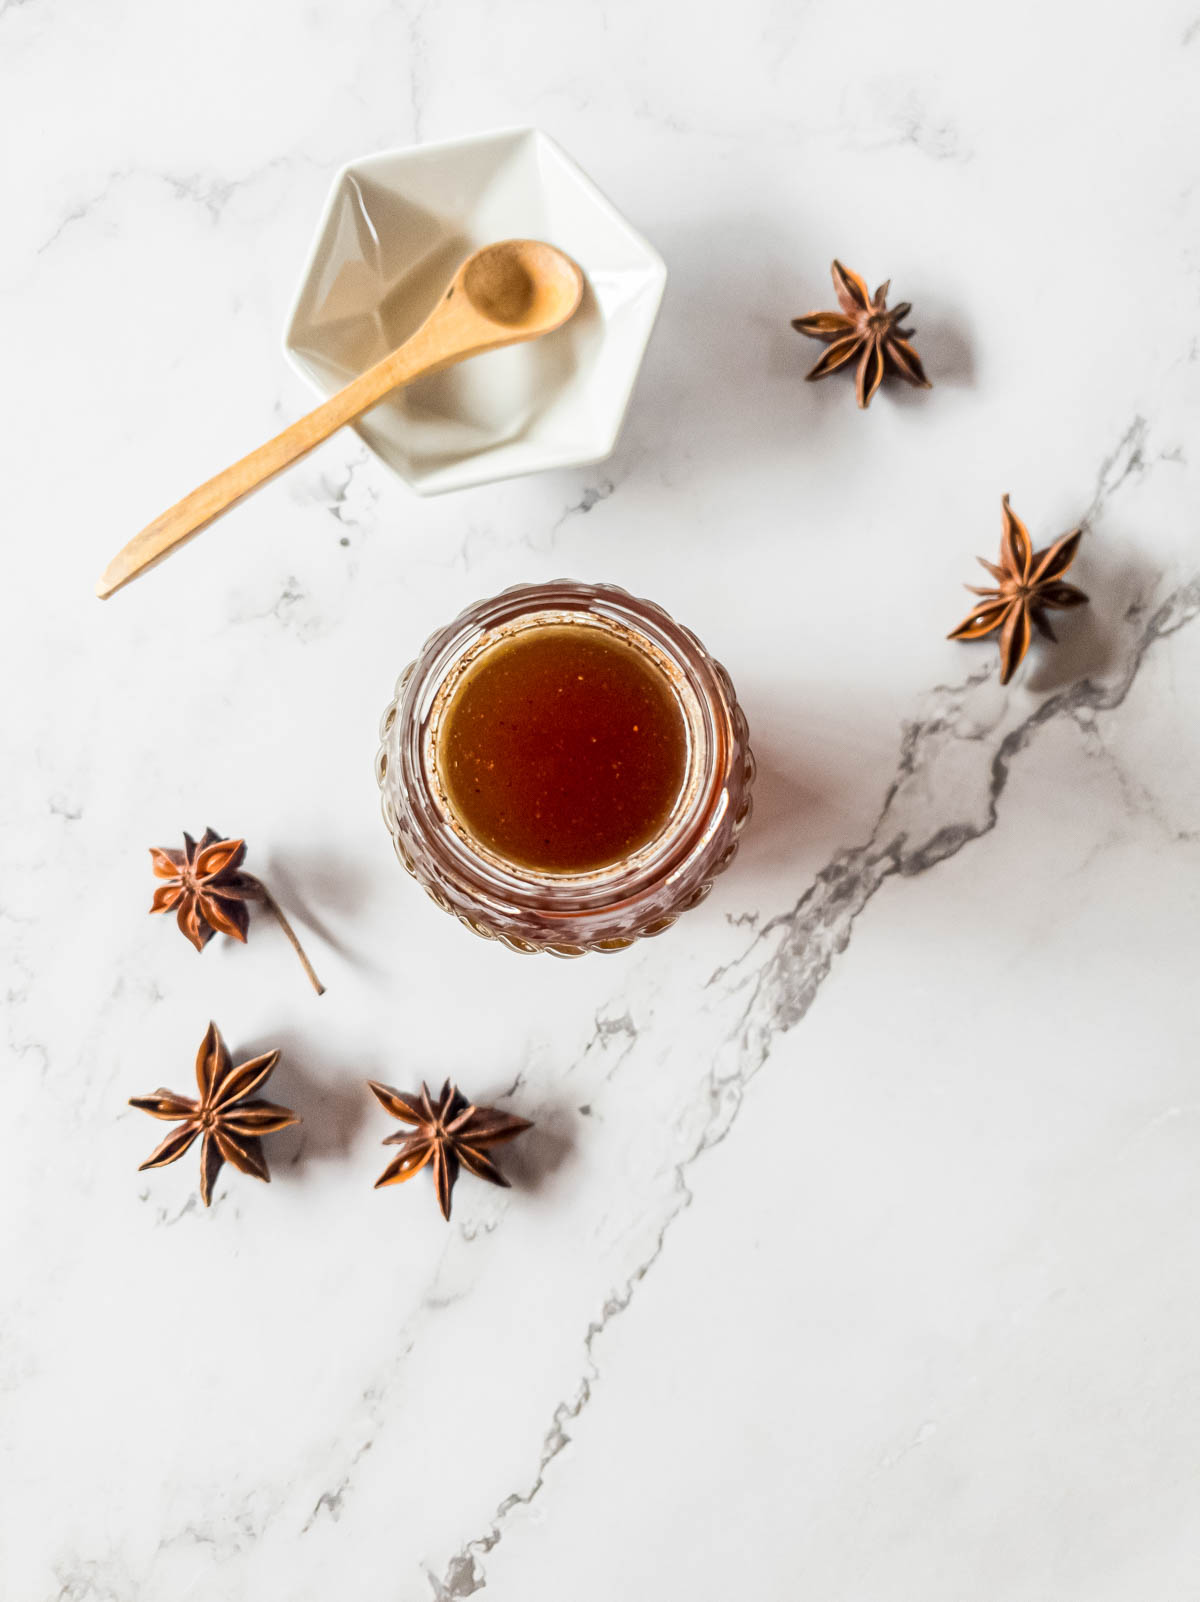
<point x="395" y="228"/>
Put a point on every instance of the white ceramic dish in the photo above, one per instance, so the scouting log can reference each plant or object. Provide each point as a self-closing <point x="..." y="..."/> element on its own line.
<point x="395" y="227"/>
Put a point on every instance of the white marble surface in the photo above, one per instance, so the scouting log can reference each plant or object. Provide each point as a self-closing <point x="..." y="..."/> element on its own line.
<point x="854" y="1257"/>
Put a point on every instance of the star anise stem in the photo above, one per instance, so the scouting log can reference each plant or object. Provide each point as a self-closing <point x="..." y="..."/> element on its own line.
<point x="205" y="887"/>
<point x="270" y="901"/>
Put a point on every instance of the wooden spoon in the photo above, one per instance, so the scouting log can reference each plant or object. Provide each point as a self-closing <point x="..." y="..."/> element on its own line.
<point x="503" y="294"/>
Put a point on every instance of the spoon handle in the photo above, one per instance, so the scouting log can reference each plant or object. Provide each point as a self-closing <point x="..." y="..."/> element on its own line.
<point x="432" y="348"/>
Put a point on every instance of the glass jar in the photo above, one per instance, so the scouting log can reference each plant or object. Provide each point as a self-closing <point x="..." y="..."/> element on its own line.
<point x="567" y="914"/>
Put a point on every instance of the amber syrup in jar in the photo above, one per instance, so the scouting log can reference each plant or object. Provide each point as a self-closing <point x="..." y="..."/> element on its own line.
<point x="563" y="748"/>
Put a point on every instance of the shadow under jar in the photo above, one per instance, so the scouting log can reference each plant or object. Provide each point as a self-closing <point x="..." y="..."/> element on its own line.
<point x="565" y="768"/>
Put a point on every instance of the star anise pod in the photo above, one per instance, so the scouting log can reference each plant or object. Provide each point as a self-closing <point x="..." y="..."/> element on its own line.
<point x="865" y="329"/>
<point x="206" y="886"/>
<point x="1028" y="584"/>
<point x="232" y="1126"/>
<point x="449" y="1131"/>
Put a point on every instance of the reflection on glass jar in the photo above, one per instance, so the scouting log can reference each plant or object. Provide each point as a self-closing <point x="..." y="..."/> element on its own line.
<point x="565" y="768"/>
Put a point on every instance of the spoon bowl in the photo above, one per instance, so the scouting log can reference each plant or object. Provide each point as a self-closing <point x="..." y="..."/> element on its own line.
<point x="522" y="283"/>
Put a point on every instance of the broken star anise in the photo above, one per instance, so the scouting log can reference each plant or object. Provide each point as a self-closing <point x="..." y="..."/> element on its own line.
<point x="449" y="1131"/>
<point x="866" y="329"/>
<point x="231" y="1126"/>
<point x="1028" y="584"/>
<point x="206" y="886"/>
